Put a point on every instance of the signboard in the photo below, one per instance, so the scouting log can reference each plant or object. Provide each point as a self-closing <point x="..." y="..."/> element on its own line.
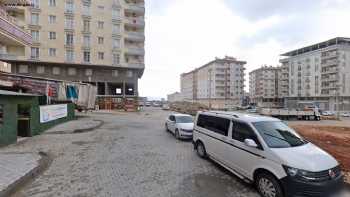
<point x="52" y="112"/>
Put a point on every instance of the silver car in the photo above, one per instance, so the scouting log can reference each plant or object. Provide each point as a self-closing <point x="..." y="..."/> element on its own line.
<point x="181" y="125"/>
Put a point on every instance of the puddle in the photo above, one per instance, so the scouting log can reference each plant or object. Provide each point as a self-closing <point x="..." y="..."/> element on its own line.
<point x="203" y="185"/>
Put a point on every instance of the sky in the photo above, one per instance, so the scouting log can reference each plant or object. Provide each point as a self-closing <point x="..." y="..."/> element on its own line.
<point x="182" y="35"/>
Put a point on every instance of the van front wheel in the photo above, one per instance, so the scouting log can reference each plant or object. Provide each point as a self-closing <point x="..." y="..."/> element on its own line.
<point x="268" y="186"/>
<point x="201" y="152"/>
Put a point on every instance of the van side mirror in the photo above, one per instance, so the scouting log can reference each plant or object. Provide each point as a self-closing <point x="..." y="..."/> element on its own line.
<point x="250" y="143"/>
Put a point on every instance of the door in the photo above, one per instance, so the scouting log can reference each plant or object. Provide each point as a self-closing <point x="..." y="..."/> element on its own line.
<point x="214" y="131"/>
<point x="243" y="158"/>
<point x="171" y="123"/>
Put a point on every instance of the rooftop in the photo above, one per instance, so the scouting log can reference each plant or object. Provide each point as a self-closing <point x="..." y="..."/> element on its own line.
<point x="321" y="45"/>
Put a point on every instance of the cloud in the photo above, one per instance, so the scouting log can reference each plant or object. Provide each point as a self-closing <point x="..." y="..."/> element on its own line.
<point x="184" y="34"/>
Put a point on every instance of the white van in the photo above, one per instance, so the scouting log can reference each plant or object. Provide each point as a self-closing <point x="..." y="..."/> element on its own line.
<point x="266" y="152"/>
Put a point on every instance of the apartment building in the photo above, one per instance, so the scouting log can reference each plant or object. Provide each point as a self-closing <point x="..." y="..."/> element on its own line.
<point x="100" y="42"/>
<point x="13" y="37"/>
<point x="218" y="84"/>
<point x="264" y="87"/>
<point x="174" y="97"/>
<point x="318" y="74"/>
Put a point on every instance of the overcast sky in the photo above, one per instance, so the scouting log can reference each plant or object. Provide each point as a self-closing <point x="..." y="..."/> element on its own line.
<point x="184" y="34"/>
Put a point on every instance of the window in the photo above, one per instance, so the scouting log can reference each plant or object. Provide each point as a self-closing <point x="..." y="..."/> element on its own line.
<point x="172" y="118"/>
<point x="23" y="69"/>
<point x="35" y="35"/>
<point x="115" y="14"/>
<point x="100" y="24"/>
<point x="101" y="55"/>
<point x="69" y="23"/>
<point x="69" y="39"/>
<point x="52" y="52"/>
<point x="86" y="56"/>
<point x="115" y="73"/>
<point x="116" y="43"/>
<point x="100" y="40"/>
<point x="52" y="35"/>
<point x="101" y="7"/>
<point x="52" y="19"/>
<point x="34" y="53"/>
<point x="242" y="131"/>
<point x="69" y="56"/>
<point x="116" y="28"/>
<point x="69" y="6"/>
<point x="86" y="10"/>
<point x="34" y="19"/>
<point x="88" y="72"/>
<point x="116" y="59"/>
<point x="86" y="24"/>
<point x="35" y="3"/>
<point x="129" y="73"/>
<point x="72" y="71"/>
<point x="56" y="70"/>
<point x="52" y="3"/>
<point x="215" y="124"/>
<point x="40" y="69"/>
<point x="86" y="41"/>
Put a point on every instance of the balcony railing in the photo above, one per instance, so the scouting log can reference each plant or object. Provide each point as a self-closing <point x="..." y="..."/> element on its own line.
<point x="135" y="50"/>
<point x="135" y="7"/>
<point x="135" y="35"/>
<point x="9" y="25"/>
<point x="137" y="21"/>
<point x="4" y="56"/>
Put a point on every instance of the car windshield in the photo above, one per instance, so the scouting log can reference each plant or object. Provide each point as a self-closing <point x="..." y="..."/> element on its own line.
<point x="184" y="119"/>
<point x="278" y="135"/>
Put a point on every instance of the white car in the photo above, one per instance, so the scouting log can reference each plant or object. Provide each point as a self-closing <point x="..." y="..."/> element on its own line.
<point x="346" y="114"/>
<point x="181" y="125"/>
<point x="265" y="151"/>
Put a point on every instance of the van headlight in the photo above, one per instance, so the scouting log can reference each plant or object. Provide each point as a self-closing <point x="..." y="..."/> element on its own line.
<point x="300" y="174"/>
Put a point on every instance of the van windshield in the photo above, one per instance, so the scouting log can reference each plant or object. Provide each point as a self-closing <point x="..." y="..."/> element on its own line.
<point x="184" y="119"/>
<point x="278" y="135"/>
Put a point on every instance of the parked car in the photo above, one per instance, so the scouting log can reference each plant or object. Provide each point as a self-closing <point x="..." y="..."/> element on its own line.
<point x="181" y="125"/>
<point x="346" y="114"/>
<point x="148" y="104"/>
<point x="328" y="113"/>
<point x="265" y="151"/>
<point x="253" y="110"/>
<point x="165" y="107"/>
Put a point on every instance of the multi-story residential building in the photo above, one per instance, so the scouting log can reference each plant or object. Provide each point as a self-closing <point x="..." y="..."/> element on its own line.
<point x="218" y="84"/>
<point x="174" y="97"/>
<point x="264" y="87"/>
<point x="319" y="74"/>
<point x="13" y="36"/>
<point x="100" y="42"/>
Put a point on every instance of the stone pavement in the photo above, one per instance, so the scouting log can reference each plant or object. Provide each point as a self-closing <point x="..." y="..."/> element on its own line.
<point x="16" y="168"/>
<point x="80" y="125"/>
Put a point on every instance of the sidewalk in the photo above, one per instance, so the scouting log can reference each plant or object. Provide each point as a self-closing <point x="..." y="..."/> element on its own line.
<point x="81" y="125"/>
<point x="16" y="169"/>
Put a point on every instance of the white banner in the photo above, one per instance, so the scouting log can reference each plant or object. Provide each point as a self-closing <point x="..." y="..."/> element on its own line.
<point x="53" y="112"/>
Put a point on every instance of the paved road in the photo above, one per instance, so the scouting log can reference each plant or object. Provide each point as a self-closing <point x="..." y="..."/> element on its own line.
<point x="131" y="155"/>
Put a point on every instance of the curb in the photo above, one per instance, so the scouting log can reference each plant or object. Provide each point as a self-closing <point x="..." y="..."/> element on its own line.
<point x="101" y="122"/>
<point x="44" y="163"/>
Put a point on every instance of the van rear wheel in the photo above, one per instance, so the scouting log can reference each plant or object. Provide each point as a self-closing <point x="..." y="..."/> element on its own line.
<point x="201" y="152"/>
<point x="268" y="186"/>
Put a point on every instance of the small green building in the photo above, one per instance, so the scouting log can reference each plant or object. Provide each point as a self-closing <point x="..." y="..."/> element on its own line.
<point x="20" y="116"/>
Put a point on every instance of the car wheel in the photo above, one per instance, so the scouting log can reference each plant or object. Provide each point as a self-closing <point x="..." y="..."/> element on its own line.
<point x="268" y="186"/>
<point x="201" y="152"/>
<point x="177" y="134"/>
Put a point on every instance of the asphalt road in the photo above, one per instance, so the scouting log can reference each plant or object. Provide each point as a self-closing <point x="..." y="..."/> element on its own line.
<point x="131" y="155"/>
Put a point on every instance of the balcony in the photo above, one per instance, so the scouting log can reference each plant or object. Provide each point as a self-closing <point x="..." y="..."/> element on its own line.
<point x="136" y="64"/>
<point x="131" y="50"/>
<point x="135" y="7"/>
<point x="7" y="57"/>
<point x="330" y="71"/>
<point x="330" y="63"/>
<point x="135" y="21"/>
<point x="135" y="36"/>
<point x="11" y="33"/>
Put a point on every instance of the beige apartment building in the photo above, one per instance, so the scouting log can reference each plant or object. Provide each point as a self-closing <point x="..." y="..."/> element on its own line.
<point x="218" y="84"/>
<point x="13" y="37"/>
<point x="95" y="41"/>
<point x="264" y="87"/>
<point x="174" y="97"/>
<point x="318" y="74"/>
